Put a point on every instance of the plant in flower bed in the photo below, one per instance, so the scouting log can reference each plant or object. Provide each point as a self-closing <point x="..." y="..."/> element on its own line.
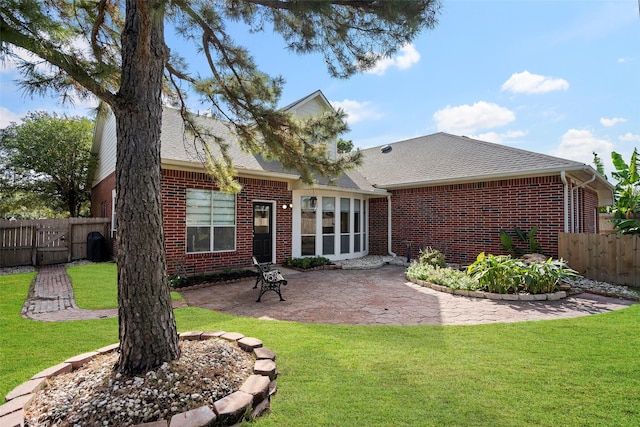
<point x="433" y="257"/>
<point x="177" y="281"/>
<point x="500" y="274"/>
<point x="431" y="267"/>
<point x="454" y="279"/>
<point x="307" y="262"/>
<point x="503" y="274"/>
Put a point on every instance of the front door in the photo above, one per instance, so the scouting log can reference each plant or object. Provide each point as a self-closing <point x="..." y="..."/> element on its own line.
<point x="262" y="232"/>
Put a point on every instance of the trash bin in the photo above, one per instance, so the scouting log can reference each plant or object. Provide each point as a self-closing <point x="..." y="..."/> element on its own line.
<point x="96" y="247"/>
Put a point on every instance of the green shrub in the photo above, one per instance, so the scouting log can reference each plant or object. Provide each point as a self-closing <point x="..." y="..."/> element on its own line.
<point x="430" y="256"/>
<point x="177" y="281"/>
<point x="503" y="274"/>
<point x="307" y="262"/>
<point x="544" y="277"/>
<point x="454" y="279"/>
<point x="498" y="274"/>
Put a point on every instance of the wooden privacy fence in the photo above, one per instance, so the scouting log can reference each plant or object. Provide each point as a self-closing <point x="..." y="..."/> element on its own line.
<point x="610" y="258"/>
<point x="47" y="241"/>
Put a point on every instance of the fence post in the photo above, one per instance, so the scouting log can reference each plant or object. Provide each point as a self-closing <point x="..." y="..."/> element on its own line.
<point x="34" y="245"/>
<point x="70" y="241"/>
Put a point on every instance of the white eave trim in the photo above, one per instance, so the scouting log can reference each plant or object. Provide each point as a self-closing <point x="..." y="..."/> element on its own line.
<point x="377" y="192"/>
<point x="243" y="172"/>
<point x="494" y="177"/>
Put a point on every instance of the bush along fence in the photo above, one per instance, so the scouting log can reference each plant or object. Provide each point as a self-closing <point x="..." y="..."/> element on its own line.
<point x="48" y="241"/>
<point x="611" y="258"/>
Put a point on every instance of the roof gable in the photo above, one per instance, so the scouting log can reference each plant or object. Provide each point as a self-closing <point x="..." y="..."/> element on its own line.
<point x="178" y="149"/>
<point x="315" y="103"/>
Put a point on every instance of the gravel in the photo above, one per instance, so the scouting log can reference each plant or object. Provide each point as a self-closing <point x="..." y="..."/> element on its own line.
<point x="582" y="284"/>
<point x="93" y="395"/>
<point x="16" y="270"/>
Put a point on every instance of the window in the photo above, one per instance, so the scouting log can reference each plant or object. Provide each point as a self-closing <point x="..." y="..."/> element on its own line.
<point x="114" y="220"/>
<point x="345" y="229"/>
<point x="356" y="225"/>
<point x="328" y="225"/>
<point x="308" y="231"/>
<point x="211" y="221"/>
<point x="364" y="225"/>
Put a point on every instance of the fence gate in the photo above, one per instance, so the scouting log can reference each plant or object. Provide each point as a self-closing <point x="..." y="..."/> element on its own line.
<point x="52" y="245"/>
<point x="49" y="241"/>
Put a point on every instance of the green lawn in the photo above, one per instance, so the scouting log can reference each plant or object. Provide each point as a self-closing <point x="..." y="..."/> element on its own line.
<point x="95" y="286"/>
<point x="574" y="372"/>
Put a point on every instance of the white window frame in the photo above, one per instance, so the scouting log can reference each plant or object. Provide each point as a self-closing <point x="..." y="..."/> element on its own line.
<point x="212" y="225"/>
<point x="114" y="221"/>
<point x="296" y="249"/>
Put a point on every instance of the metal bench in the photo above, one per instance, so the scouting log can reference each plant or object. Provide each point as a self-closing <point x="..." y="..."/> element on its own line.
<point x="268" y="278"/>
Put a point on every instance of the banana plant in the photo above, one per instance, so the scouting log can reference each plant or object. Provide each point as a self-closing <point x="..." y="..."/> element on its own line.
<point x="627" y="206"/>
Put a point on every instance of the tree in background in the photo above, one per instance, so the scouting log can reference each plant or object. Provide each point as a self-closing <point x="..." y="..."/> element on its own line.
<point x="344" y="146"/>
<point x="126" y="62"/>
<point x="47" y="161"/>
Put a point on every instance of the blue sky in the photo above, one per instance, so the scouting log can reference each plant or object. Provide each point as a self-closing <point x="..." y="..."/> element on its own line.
<point x="557" y="77"/>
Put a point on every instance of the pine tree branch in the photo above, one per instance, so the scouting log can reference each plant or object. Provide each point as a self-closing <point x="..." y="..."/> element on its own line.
<point x="50" y="53"/>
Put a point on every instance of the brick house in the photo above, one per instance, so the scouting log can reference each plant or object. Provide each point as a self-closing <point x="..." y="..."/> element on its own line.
<point x="456" y="194"/>
<point x="444" y="191"/>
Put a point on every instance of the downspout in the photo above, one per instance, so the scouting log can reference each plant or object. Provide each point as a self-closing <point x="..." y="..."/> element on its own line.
<point x="563" y="177"/>
<point x="576" y="188"/>
<point x="389" y="223"/>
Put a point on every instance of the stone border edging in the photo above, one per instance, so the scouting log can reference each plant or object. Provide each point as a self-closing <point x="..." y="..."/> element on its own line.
<point x="254" y="394"/>
<point x="554" y="296"/>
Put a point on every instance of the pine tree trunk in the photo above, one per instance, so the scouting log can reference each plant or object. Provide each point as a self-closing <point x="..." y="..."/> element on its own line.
<point x="148" y="334"/>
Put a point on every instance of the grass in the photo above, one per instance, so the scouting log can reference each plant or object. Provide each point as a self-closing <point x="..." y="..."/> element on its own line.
<point x="572" y="372"/>
<point x="95" y="286"/>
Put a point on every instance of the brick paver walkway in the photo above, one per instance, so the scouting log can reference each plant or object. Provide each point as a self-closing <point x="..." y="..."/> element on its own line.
<point x="381" y="296"/>
<point x="51" y="298"/>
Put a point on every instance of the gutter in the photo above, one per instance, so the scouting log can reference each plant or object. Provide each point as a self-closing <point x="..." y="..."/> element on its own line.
<point x="563" y="177"/>
<point x="493" y="177"/>
<point x="194" y="166"/>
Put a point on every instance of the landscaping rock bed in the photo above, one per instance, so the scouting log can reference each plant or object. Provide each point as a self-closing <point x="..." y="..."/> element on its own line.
<point x="219" y="379"/>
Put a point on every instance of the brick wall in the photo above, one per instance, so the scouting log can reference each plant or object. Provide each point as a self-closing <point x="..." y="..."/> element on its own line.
<point x="589" y="212"/>
<point x="465" y="219"/>
<point x="378" y="228"/>
<point x="101" y="197"/>
<point x="174" y="188"/>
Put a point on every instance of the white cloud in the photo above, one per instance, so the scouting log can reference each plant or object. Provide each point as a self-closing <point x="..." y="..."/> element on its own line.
<point x="7" y="116"/>
<point x="612" y="122"/>
<point x="357" y="111"/>
<point x="629" y="137"/>
<point x="407" y="57"/>
<point x="579" y="145"/>
<point x="499" y="138"/>
<point x="625" y="59"/>
<point x="468" y="119"/>
<point x="529" y="83"/>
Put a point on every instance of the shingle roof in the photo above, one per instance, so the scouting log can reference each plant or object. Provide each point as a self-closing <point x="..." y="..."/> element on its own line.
<point x="179" y="148"/>
<point x="442" y="157"/>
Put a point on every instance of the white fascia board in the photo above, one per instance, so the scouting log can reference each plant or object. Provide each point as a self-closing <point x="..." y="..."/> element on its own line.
<point x="249" y="173"/>
<point x="492" y="177"/>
